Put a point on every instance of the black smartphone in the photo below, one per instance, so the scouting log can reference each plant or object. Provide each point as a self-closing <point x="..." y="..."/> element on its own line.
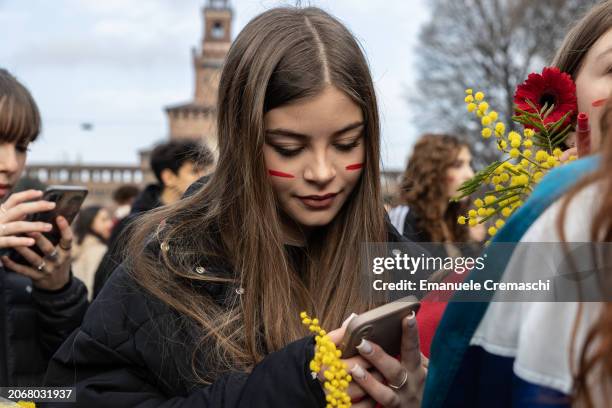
<point x="68" y="200"/>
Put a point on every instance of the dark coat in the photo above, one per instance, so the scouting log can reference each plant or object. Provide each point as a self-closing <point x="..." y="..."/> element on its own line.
<point x="131" y="351"/>
<point x="33" y="324"/>
<point x="134" y="351"/>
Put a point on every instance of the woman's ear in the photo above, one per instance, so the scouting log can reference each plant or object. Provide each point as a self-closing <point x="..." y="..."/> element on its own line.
<point x="168" y="178"/>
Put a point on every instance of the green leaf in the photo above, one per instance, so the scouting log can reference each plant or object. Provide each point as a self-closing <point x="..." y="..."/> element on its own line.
<point x="560" y="137"/>
<point x="525" y="113"/>
<point x="473" y="184"/>
<point x="503" y="190"/>
<point x="546" y="111"/>
<point x="555" y="126"/>
<point x="507" y="196"/>
<point x="532" y="105"/>
<point x="530" y="122"/>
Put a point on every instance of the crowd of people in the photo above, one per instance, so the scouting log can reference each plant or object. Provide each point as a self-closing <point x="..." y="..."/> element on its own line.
<point x="189" y="292"/>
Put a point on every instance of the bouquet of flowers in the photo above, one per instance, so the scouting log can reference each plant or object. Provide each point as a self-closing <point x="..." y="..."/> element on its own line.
<point x="546" y="108"/>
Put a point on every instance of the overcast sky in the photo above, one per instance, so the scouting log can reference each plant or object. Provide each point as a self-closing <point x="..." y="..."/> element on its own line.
<point x="117" y="63"/>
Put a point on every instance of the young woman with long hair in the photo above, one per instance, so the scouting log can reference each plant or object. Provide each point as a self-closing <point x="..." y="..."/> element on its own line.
<point x="206" y="308"/>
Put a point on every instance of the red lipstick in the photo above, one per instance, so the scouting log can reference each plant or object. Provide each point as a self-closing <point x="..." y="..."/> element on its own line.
<point x="599" y="102"/>
<point x="583" y="135"/>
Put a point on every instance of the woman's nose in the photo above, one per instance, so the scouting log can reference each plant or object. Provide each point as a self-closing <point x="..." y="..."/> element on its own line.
<point x="320" y="170"/>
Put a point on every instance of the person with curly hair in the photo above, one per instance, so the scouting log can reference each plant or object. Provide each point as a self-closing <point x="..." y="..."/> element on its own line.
<point x="438" y="166"/>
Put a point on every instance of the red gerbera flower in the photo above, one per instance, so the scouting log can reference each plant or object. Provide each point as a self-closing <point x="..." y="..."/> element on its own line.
<point x="550" y="87"/>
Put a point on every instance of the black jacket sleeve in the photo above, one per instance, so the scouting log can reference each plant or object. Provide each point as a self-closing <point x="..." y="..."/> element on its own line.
<point x="118" y="359"/>
<point x="113" y="256"/>
<point x="59" y="313"/>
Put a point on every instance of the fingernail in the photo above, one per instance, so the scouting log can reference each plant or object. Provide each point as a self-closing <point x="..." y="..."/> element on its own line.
<point x="348" y="319"/>
<point x="48" y="227"/>
<point x="365" y="347"/>
<point x="358" y="372"/>
<point x="411" y="319"/>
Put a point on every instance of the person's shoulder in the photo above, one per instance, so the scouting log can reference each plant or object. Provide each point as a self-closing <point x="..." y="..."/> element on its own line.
<point x="577" y="221"/>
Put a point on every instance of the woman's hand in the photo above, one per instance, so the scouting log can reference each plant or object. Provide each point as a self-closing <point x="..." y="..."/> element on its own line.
<point x="13" y="213"/>
<point x="405" y="378"/>
<point x="51" y="272"/>
<point x="355" y="391"/>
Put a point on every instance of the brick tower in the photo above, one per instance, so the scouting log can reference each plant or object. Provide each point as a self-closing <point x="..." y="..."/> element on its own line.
<point x="197" y="119"/>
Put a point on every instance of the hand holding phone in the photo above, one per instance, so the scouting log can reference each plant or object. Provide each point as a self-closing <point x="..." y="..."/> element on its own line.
<point x="14" y="210"/>
<point x="381" y="325"/>
<point x="47" y="262"/>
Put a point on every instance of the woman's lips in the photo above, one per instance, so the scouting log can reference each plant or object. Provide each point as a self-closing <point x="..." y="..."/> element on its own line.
<point x="4" y="189"/>
<point x="318" y="201"/>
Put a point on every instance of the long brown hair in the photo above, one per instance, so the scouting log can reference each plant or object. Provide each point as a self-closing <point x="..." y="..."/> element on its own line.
<point x="281" y="56"/>
<point x="424" y="187"/>
<point x="596" y="353"/>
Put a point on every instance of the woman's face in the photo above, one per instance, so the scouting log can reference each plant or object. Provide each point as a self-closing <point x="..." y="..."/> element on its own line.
<point x="102" y="224"/>
<point x="594" y="83"/>
<point x="314" y="153"/>
<point x="459" y="172"/>
<point x="12" y="162"/>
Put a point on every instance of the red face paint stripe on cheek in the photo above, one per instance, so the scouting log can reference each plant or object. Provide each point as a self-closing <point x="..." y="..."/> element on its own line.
<point x="280" y="174"/>
<point x="355" y="166"/>
<point x="599" y="102"/>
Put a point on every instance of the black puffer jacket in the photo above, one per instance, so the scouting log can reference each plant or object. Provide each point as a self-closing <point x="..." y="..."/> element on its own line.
<point x="133" y="351"/>
<point x="33" y="324"/>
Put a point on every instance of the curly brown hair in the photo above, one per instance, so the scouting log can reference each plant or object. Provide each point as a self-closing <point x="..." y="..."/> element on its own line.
<point x="423" y="187"/>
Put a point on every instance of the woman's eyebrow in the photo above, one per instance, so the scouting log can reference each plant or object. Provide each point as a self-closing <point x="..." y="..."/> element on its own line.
<point x="348" y="128"/>
<point x="287" y="133"/>
<point x="301" y="136"/>
<point x="604" y="53"/>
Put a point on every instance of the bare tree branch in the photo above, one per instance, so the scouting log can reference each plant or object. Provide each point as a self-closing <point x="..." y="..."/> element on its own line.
<point x="487" y="44"/>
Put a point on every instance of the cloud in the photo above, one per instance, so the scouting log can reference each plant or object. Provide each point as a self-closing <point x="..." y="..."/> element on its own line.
<point x="112" y="33"/>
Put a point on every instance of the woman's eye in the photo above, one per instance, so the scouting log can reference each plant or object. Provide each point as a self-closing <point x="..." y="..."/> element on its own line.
<point x="345" y="147"/>
<point x="283" y="151"/>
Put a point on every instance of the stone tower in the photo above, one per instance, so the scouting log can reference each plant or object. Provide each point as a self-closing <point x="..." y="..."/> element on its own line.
<point x="197" y="119"/>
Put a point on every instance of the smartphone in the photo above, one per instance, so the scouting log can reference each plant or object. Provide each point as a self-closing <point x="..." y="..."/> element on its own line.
<point x="382" y="325"/>
<point x="68" y="200"/>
